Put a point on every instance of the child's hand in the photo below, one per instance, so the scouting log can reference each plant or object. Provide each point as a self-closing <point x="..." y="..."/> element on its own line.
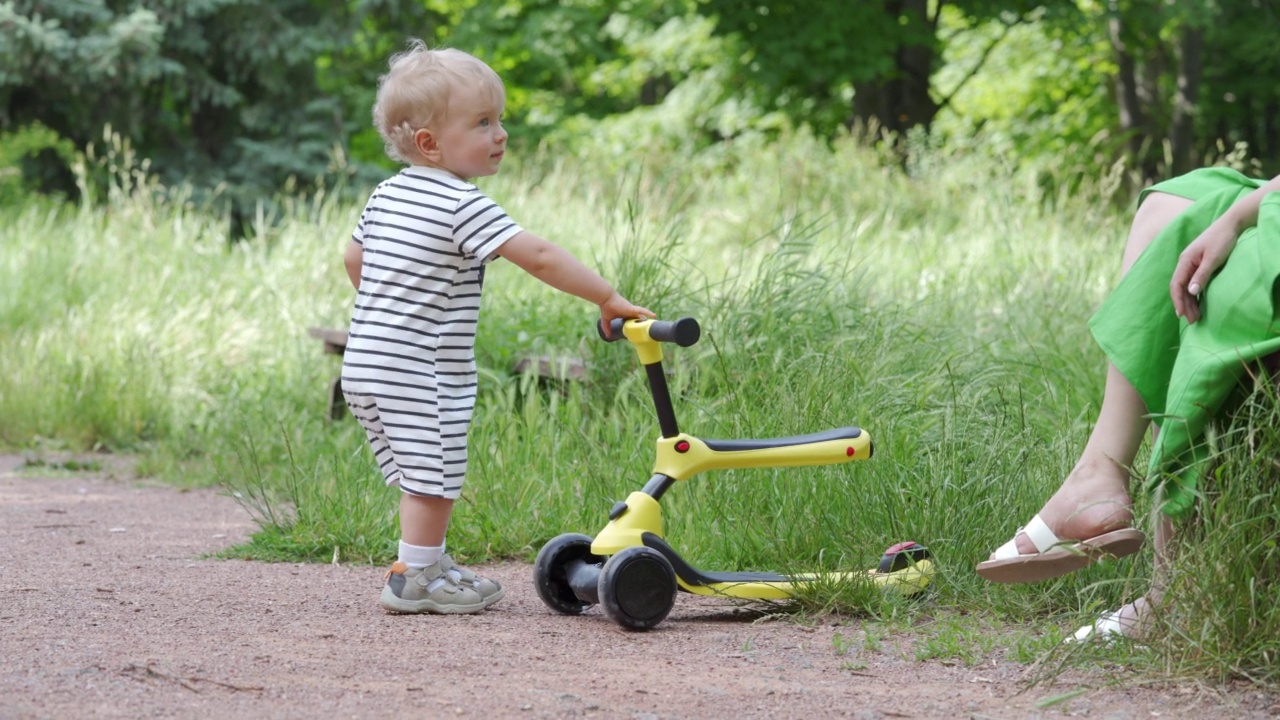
<point x="619" y="307"/>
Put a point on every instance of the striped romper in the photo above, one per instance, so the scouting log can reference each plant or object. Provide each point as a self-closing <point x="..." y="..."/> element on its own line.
<point x="409" y="371"/>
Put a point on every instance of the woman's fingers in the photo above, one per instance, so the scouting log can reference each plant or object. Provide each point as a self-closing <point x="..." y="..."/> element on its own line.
<point x="1185" y="298"/>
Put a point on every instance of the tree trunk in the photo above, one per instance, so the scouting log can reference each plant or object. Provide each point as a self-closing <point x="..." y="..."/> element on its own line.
<point x="1190" y="67"/>
<point x="1269" y="143"/>
<point x="894" y="104"/>
<point x="1133" y="124"/>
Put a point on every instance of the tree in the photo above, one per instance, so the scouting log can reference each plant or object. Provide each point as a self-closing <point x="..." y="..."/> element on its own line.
<point x="1157" y="80"/>
<point x="1239" y="99"/>
<point x="561" y="58"/>
<point x="1192" y="77"/>
<point x="869" y="64"/>
<point x="213" y="92"/>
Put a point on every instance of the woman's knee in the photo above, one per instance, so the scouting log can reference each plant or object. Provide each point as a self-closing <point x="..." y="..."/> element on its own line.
<point x="1157" y="210"/>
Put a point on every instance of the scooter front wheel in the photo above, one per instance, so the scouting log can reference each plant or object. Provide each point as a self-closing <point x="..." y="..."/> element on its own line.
<point x="638" y="587"/>
<point x="558" y="562"/>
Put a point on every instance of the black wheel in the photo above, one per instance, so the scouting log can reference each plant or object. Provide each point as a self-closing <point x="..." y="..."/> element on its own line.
<point x="638" y="588"/>
<point x="562" y="556"/>
<point x="901" y="556"/>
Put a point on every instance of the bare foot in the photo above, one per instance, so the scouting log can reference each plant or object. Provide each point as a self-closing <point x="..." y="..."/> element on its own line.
<point x="1132" y="621"/>
<point x="1094" y="499"/>
<point x="1135" y="617"/>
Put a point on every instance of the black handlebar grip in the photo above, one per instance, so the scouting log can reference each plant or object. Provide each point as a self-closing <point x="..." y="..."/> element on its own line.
<point x="683" y="332"/>
<point x="615" y="329"/>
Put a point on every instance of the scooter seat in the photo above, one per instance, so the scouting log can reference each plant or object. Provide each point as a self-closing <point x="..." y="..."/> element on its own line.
<point x="844" y="433"/>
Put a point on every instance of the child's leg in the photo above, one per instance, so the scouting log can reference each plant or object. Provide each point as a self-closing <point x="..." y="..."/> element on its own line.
<point x="424" y="578"/>
<point x="424" y="523"/>
<point x="419" y="581"/>
<point x="424" y="519"/>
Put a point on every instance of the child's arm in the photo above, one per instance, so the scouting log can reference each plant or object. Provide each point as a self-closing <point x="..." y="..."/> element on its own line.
<point x="352" y="259"/>
<point x="1202" y="258"/>
<point x="556" y="267"/>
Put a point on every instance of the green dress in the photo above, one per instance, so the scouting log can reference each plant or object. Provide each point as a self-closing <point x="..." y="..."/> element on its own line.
<point x="1186" y="372"/>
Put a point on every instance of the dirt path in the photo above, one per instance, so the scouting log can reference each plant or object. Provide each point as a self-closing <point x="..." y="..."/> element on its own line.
<point x="107" y="610"/>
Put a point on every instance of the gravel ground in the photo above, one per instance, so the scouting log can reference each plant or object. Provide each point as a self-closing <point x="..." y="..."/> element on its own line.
<point x="108" y="608"/>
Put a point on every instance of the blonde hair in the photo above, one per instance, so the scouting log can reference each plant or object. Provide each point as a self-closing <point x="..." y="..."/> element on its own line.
<point x="414" y="93"/>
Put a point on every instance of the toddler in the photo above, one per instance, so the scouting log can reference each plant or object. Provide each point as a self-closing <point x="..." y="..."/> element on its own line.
<point x="417" y="259"/>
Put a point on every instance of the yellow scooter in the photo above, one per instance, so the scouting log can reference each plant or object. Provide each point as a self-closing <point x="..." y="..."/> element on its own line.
<point x="631" y="571"/>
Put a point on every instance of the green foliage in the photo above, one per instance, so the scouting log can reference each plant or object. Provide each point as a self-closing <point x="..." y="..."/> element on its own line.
<point x="330" y="512"/>
<point x="212" y="92"/>
<point x="568" y="65"/>
<point x="241" y="98"/>
<point x="1225" y="98"/>
<point x="805" y="60"/>
<point x="21" y="147"/>
<point x="347" y="72"/>
<point x="1042" y="98"/>
<point x="1239" y="103"/>
<point x="870" y="63"/>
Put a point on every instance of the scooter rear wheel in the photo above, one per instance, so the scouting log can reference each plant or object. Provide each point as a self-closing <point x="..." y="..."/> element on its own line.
<point x="638" y="588"/>
<point x="901" y="556"/>
<point x="552" y="568"/>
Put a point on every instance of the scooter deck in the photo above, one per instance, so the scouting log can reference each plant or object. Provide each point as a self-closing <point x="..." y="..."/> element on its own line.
<point x="909" y="580"/>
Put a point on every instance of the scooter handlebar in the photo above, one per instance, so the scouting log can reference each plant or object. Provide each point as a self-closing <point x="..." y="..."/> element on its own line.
<point x="683" y="332"/>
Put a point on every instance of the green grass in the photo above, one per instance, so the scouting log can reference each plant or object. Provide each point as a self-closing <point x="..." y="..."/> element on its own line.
<point x="948" y="322"/>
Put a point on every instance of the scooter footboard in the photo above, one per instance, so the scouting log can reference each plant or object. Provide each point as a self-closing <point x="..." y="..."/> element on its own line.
<point x="909" y="579"/>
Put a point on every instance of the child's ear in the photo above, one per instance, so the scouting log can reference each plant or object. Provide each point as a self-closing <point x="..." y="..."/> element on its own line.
<point x="426" y="144"/>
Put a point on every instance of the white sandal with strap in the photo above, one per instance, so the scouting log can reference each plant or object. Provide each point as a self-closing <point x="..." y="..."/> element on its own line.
<point x="1107" y="628"/>
<point x="1054" y="557"/>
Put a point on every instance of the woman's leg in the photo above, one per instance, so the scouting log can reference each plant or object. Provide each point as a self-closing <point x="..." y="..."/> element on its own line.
<point x="1134" y="619"/>
<point x="1135" y="616"/>
<point x="1094" y="497"/>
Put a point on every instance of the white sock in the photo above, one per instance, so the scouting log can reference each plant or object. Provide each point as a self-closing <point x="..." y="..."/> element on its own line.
<point x="419" y="556"/>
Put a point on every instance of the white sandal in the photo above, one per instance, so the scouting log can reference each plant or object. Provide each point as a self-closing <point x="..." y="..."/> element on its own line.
<point x="1055" y="557"/>
<point x="1107" y="628"/>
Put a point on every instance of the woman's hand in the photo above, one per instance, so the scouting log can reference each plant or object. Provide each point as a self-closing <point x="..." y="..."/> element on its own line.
<point x="1196" y="266"/>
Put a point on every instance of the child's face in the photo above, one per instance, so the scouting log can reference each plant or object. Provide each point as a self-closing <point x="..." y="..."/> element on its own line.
<point x="471" y="140"/>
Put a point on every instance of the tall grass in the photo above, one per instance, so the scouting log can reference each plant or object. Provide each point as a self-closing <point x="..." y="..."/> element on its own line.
<point x="1224" y="623"/>
<point x="944" y="313"/>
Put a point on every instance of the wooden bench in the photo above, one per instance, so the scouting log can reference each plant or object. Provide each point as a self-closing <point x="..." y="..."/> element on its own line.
<point x="552" y="369"/>
<point x="335" y="343"/>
